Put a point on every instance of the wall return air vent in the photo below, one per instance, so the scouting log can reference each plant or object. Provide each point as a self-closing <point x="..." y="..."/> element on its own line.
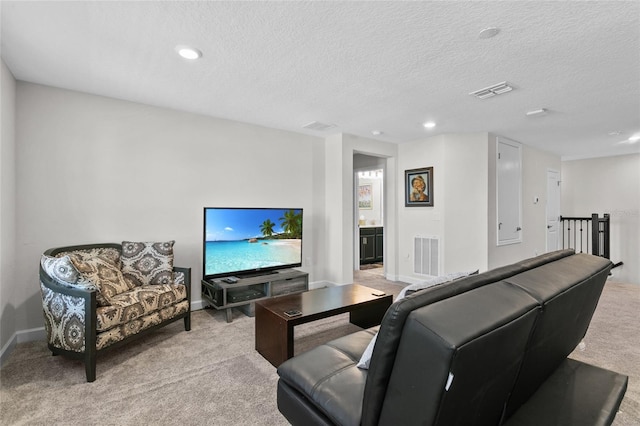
<point x="491" y="91"/>
<point x="426" y="255"/>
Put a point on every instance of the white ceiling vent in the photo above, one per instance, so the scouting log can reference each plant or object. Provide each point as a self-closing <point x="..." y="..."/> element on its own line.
<point x="316" y="125"/>
<point x="491" y="91"/>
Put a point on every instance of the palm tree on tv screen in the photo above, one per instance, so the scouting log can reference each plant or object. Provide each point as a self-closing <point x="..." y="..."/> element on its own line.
<point x="267" y="228"/>
<point x="292" y="223"/>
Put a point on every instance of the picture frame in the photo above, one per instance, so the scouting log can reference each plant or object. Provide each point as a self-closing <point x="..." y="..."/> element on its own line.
<point x="418" y="187"/>
<point x="365" y="197"/>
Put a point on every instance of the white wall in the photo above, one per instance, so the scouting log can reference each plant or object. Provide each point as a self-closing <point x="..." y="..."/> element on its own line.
<point x="419" y="221"/>
<point x="336" y="173"/>
<point x="459" y="215"/>
<point x="535" y="164"/>
<point x="465" y="196"/>
<point x="464" y="211"/>
<point x="94" y="169"/>
<point x="9" y="301"/>
<point x="608" y="185"/>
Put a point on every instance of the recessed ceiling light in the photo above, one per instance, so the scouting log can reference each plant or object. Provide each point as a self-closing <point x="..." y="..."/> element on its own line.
<point x="188" y="52"/>
<point x="537" y="112"/>
<point x="631" y="140"/>
<point x="489" y="32"/>
<point x="376" y="132"/>
<point x="429" y="125"/>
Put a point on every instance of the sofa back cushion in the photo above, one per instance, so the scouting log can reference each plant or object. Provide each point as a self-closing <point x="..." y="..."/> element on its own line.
<point x="145" y="263"/>
<point x="458" y="358"/>
<point x="389" y="336"/>
<point x="568" y="291"/>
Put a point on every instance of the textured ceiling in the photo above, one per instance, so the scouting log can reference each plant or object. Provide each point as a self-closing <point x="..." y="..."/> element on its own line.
<point x="362" y="66"/>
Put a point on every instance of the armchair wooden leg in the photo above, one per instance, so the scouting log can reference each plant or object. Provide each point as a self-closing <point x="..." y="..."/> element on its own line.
<point x="187" y="323"/>
<point x="90" y="366"/>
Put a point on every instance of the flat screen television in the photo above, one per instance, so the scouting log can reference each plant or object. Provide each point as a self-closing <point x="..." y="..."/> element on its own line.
<point x="250" y="241"/>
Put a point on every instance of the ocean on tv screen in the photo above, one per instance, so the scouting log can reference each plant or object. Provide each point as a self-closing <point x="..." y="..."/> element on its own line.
<point x="244" y="255"/>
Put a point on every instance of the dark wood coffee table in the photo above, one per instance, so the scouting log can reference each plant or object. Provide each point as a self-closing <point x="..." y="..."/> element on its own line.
<point x="274" y="329"/>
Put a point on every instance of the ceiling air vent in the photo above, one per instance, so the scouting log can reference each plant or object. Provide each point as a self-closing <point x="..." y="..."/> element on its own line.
<point x="316" y="125"/>
<point x="491" y="91"/>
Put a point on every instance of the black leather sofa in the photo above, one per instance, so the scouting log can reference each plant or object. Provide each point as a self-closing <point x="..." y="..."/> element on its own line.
<point x="489" y="349"/>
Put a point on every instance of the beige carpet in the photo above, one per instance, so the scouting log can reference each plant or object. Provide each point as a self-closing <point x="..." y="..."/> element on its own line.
<point x="613" y="342"/>
<point x="210" y="375"/>
<point x="213" y="375"/>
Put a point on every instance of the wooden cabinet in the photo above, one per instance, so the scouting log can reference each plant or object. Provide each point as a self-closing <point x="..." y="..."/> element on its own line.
<point x="371" y="245"/>
<point x="223" y="295"/>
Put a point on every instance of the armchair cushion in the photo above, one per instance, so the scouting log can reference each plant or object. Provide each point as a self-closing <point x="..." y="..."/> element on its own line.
<point x="146" y="263"/>
<point x="123" y="331"/>
<point x="138" y="302"/>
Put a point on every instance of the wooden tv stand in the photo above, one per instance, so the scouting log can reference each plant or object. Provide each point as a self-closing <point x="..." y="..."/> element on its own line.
<point x="242" y="294"/>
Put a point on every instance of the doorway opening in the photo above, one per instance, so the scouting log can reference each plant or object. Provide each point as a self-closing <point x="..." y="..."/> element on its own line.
<point x="369" y="213"/>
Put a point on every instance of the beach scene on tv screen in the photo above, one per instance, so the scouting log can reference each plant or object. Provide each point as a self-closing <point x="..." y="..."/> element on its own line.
<point x="249" y="239"/>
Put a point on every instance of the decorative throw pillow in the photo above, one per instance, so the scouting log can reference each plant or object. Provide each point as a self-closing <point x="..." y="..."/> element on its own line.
<point x="442" y="279"/>
<point x="60" y="268"/>
<point x="106" y="253"/>
<point x="365" y="359"/>
<point x="102" y="273"/>
<point x="148" y="263"/>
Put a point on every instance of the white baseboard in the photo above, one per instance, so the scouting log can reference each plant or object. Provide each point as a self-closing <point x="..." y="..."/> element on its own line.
<point x="411" y="280"/>
<point x="321" y="284"/>
<point x="196" y="305"/>
<point x="21" y="337"/>
<point x="7" y="349"/>
<point x="31" y="335"/>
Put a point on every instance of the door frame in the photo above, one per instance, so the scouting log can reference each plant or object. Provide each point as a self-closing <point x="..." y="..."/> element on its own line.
<point x="517" y="239"/>
<point x="558" y="195"/>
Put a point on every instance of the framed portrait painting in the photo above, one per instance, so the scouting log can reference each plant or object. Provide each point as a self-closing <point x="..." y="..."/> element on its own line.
<point x="418" y="187"/>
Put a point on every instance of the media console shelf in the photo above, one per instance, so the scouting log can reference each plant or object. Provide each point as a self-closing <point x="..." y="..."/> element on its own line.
<point x="223" y="295"/>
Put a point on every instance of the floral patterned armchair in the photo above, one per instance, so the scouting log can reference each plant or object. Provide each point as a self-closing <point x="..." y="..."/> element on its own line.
<point x="99" y="296"/>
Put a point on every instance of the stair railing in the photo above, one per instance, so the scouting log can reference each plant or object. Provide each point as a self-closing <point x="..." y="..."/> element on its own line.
<point x="588" y="235"/>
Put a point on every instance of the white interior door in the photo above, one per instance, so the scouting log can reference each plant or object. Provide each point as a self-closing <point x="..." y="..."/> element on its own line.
<point x="509" y="190"/>
<point x="553" y="210"/>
